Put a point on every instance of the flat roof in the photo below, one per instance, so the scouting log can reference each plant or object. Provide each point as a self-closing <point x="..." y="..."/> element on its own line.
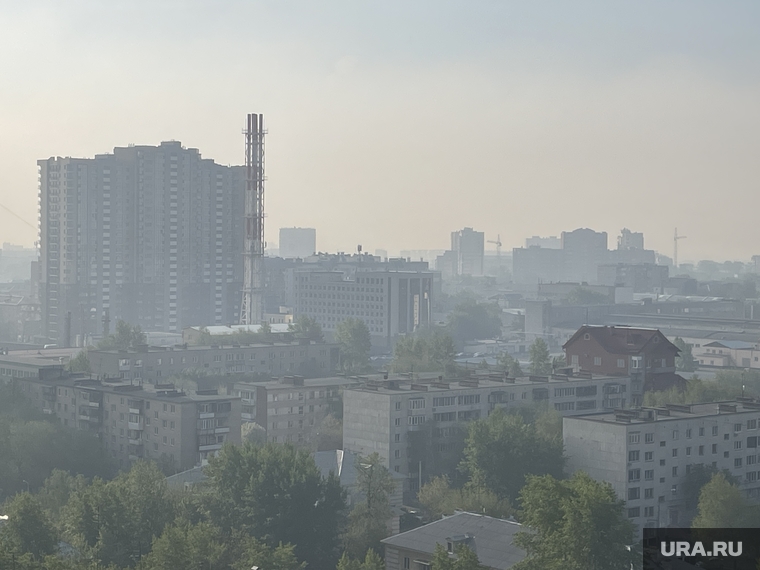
<point x="397" y="385"/>
<point x="32" y="360"/>
<point x="180" y="348"/>
<point x="671" y="412"/>
<point x="307" y="383"/>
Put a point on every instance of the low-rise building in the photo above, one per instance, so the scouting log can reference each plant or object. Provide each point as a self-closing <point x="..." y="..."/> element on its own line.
<point x="150" y="364"/>
<point x="417" y="425"/>
<point x="644" y="354"/>
<point x="491" y="539"/>
<point x="291" y="408"/>
<point x="647" y="454"/>
<point x="132" y="421"/>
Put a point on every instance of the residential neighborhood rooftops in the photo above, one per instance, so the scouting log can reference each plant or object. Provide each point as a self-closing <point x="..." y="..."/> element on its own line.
<point x="621" y="340"/>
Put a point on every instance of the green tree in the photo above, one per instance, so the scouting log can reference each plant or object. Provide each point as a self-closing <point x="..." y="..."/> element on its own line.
<point x="80" y="363"/>
<point x="540" y="362"/>
<point x="28" y="529"/>
<point x="257" y="553"/>
<point x="425" y="353"/>
<point x="117" y="520"/>
<point x="275" y="493"/>
<point x="464" y="559"/>
<point x="502" y="450"/>
<point x="190" y="547"/>
<point x="585" y="296"/>
<point x="438" y="498"/>
<point x="685" y="360"/>
<point x="510" y="365"/>
<point x="721" y="505"/>
<point x="699" y="391"/>
<point x="306" y="327"/>
<point x="353" y="338"/>
<point x="472" y="320"/>
<point x="368" y="519"/>
<point x="558" y="362"/>
<point x="125" y="337"/>
<point x="577" y="524"/>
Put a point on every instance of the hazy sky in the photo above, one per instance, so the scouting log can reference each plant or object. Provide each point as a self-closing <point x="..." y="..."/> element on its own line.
<point x="393" y="123"/>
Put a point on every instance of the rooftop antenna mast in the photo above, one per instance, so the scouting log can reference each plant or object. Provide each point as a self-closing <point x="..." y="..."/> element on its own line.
<point x="251" y="307"/>
<point x="676" y="237"/>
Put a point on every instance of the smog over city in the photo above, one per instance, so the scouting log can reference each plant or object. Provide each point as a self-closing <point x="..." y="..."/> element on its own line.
<point x="379" y="285"/>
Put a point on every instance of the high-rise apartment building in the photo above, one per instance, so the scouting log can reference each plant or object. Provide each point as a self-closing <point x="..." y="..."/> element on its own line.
<point x="153" y="234"/>
<point x="297" y="242"/>
<point x="469" y="247"/>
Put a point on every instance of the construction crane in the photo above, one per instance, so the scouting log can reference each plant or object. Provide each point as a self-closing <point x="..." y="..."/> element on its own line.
<point x="497" y="243"/>
<point x="676" y="237"/>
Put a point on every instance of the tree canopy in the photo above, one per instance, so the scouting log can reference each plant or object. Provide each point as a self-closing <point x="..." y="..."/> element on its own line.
<point x="125" y="337"/>
<point x="353" y="338"/>
<point x="540" y="362"/>
<point x="577" y="524"/>
<point x="502" y="450"/>
<point x="471" y="320"/>
<point x="306" y="327"/>
<point x="685" y="360"/>
<point x="425" y="353"/>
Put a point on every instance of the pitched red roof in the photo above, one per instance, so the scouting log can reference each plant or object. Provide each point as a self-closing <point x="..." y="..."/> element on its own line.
<point x="622" y="340"/>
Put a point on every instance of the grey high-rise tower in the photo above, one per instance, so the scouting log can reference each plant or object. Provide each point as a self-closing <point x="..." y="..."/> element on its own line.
<point x="153" y="234"/>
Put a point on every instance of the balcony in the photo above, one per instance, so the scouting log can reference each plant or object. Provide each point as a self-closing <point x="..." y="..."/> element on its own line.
<point x="206" y="415"/>
<point x="222" y="430"/>
<point x="212" y="447"/>
<point x="138" y="426"/>
<point x="134" y="441"/>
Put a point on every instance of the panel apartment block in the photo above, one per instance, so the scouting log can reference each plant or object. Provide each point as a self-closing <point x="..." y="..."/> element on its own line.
<point x="156" y="364"/>
<point x="290" y="409"/>
<point x="130" y="421"/>
<point x="646" y="454"/>
<point x="151" y="233"/>
<point x="414" y="426"/>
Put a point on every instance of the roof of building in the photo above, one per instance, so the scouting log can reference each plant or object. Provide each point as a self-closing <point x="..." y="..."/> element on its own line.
<point x="191" y="476"/>
<point x="31" y="360"/>
<point x="671" y="412"/>
<point x="288" y="383"/>
<point x="732" y="344"/>
<point x="177" y="348"/>
<point x="490" y="538"/>
<point x="420" y="385"/>
<point x="215" y="330"/>
<point x="621" y="340"/>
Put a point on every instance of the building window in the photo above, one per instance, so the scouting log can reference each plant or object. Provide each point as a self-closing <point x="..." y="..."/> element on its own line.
<point x="675" y="471"/>
<point x="621" y="363"/>
<point x="634" y="512"/>
<point x="634" y="437"/>
<point x="633" y="456"/>
<point x="634" y="493"/>
<point x="634" y="475"/>
<point x="648" y="455"/>
<point x="597" y="361"/>
<point x="649" y="475"/>
<point x="649" y="438"/>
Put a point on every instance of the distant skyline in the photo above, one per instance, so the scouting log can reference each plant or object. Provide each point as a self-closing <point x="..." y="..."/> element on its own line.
<point x="392" y="124"/>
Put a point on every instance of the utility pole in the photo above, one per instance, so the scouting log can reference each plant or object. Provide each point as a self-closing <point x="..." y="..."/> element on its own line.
<point x="676" y="237"/>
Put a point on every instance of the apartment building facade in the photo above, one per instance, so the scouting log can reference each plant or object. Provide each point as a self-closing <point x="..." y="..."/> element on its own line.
<point x="417" y="426"/>
<point x="153" y="234"/>
<point x="133" y="422"/>
<point x="388" y="302"/>
<point x="290" y="409"/>
<point x="156" y="364"/>
<point x="647" y="454"/>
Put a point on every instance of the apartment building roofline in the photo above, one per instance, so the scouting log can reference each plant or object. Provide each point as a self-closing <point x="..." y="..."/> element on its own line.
<point x="672" y="412"/>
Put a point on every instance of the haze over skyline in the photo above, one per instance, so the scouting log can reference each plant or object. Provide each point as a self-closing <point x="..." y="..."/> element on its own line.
<point x="392" y="125"/>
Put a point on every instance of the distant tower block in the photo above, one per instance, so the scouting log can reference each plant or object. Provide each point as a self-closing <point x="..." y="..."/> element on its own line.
<point x="251" y="310"/>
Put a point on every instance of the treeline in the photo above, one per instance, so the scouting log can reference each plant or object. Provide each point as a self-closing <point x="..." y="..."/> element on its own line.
<point x="265" y="506"/>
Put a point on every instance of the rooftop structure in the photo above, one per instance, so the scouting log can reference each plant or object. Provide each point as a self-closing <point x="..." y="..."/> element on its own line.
<point x="491" y="539"/>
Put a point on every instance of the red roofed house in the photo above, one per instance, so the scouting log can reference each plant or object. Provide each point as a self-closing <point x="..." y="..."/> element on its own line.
<point x="643" y="354"/>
